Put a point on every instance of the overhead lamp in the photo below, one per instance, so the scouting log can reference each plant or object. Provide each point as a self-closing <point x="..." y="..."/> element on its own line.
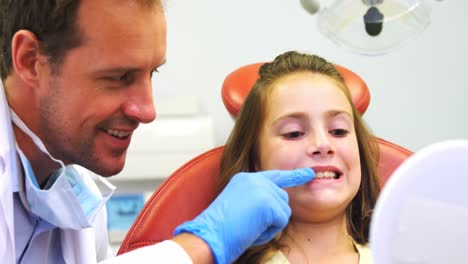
<point x="311" y="6"/>
<point x="372" y="27"/>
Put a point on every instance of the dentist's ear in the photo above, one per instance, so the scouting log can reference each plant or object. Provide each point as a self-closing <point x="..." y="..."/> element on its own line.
<point x="26" y="56"/>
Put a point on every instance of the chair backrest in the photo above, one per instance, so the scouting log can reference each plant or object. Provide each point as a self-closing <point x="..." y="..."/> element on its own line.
<point x="181" y="197"/>
<point x="191" y="188"/>
<point x="391" y="156"/>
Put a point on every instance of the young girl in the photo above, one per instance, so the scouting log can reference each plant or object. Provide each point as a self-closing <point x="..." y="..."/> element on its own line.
<point x="300" y="114"/>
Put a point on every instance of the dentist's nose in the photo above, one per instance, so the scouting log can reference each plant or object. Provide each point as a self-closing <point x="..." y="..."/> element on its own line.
<point x="320" y="145"/>
<point x="140" y="105"/>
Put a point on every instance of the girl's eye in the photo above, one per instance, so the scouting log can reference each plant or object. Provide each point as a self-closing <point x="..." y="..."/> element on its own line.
<point x="339" y="132"/>
<point x="293" y="135"/>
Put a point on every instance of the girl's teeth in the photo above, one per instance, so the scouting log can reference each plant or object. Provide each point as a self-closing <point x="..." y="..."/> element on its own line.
<point x="326" y="175"/>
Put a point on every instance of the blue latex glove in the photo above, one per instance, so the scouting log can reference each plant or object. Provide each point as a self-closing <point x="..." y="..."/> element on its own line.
<point x="250" y="211"/>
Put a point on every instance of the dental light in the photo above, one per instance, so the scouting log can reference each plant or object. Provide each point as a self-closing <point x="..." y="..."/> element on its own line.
<point x="370" y="27"/>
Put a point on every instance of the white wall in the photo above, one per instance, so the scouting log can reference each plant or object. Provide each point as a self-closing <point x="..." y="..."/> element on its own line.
<point x="418" y="92"/>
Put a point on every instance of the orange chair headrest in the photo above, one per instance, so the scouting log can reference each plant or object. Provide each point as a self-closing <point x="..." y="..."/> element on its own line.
<point x="238" y="83"/>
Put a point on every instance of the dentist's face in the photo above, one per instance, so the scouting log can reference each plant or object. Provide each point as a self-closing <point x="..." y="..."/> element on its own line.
<point x="309" y="123"/>
<point x="103" y="90"/>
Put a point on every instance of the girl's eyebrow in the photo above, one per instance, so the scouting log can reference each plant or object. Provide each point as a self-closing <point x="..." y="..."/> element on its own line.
<point x="335" y="112"/>
<point x="293" y="115"/>
<point x="302" y="115"/>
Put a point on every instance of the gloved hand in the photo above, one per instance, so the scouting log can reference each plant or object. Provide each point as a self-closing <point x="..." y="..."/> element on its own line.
<point x="250" y="211"/>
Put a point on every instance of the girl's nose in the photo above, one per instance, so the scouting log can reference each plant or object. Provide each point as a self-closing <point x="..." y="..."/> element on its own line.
<point x="320" y="145"/>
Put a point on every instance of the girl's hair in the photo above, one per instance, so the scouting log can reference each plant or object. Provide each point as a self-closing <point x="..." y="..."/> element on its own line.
<point x="241" y="153"/>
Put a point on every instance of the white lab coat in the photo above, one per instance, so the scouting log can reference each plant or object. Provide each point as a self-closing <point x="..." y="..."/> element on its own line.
<point x="88" y="245"/>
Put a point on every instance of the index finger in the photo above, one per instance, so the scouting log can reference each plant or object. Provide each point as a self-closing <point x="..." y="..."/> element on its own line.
<point x="290" y="178"/>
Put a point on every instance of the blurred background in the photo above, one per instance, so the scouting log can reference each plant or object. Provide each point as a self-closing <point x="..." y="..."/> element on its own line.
<point x="418" y="91"/>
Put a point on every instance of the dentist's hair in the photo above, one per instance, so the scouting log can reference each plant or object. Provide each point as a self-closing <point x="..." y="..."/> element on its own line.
<point x="241" y="152"/>
<point x="53" y="22"/>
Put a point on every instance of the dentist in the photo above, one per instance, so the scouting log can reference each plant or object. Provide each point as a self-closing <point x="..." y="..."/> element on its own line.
<point x="76" y="82"/>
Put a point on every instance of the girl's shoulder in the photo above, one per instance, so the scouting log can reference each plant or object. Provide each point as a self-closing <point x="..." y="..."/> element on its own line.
<point x="277" y="258"/>
<point x="365" y="254"/>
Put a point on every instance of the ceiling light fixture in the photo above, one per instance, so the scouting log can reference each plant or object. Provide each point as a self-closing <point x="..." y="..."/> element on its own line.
<point x="370" y="27"/>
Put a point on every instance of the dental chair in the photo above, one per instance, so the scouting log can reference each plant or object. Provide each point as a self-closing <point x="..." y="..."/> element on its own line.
<point x="191" y="188"/>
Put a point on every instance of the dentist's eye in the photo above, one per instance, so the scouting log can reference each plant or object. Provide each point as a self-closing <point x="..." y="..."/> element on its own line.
<point x="125" y="78"/>
<point x="339" y="132"/>
<point x="293" y="135"/>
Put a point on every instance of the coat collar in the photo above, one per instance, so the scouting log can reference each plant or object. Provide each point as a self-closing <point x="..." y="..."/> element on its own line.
<point x="9" y="169"/>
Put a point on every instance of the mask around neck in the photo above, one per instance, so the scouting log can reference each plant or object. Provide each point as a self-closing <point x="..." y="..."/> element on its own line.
<point x="21" y="125"/>
<point x="67" y="200"/>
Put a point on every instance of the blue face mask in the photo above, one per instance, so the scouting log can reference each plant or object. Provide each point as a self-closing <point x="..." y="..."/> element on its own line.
<point x="66" y="201"/>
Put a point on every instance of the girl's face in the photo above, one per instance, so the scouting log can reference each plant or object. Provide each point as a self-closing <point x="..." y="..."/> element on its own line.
<point x="309" y="123"/>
